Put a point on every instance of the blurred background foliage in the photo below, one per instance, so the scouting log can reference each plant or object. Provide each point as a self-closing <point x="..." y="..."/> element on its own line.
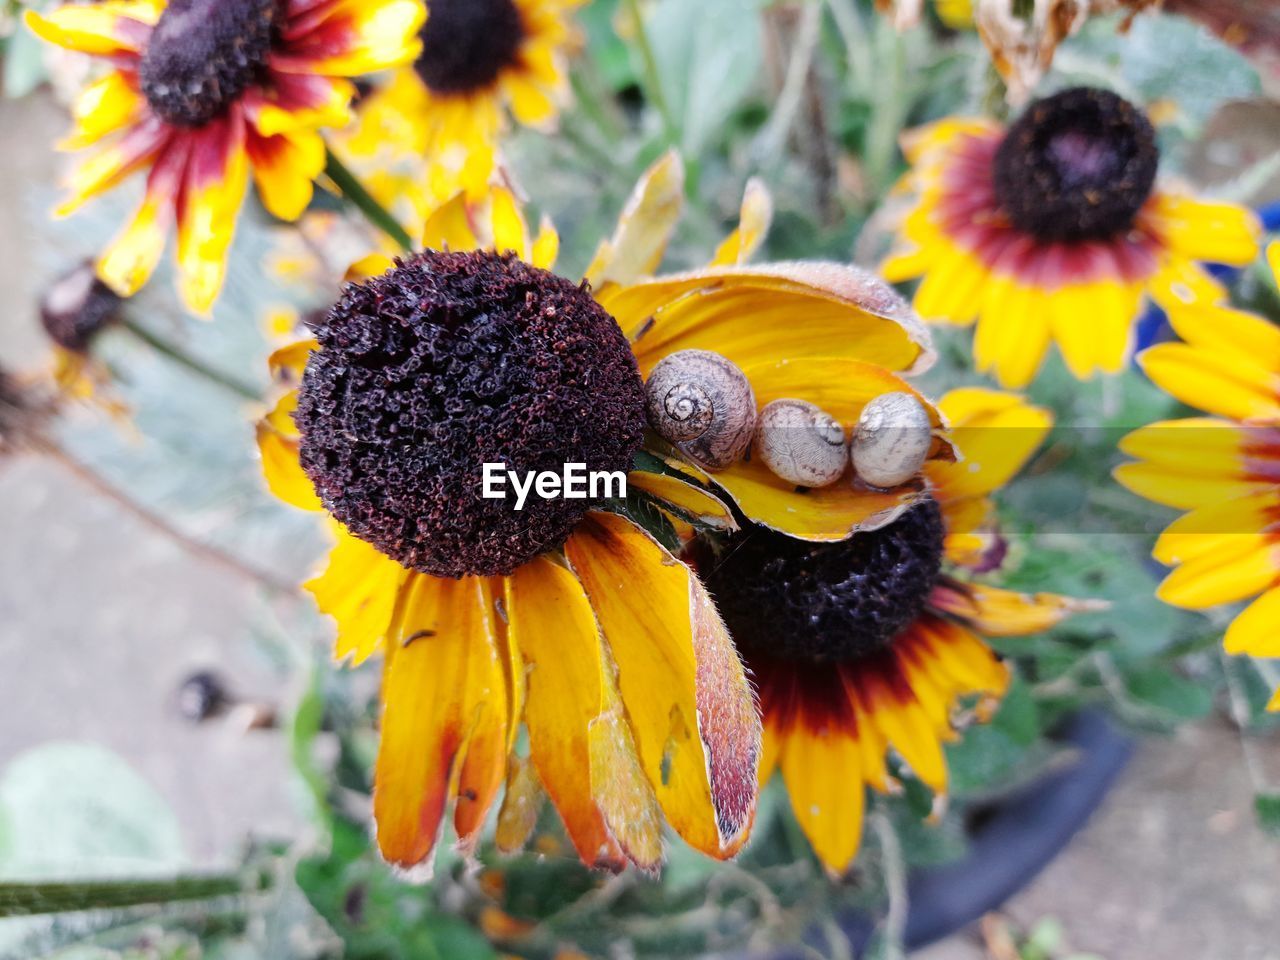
<point x="811" y="97"/>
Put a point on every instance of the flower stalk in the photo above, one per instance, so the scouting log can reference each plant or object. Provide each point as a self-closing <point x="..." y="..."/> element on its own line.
<point x="354" y="191"/>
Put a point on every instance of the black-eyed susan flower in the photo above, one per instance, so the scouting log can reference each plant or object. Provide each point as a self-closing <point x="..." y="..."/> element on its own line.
<point x="435" y="127"/>
<point x="1053" y="230"/>
<point x="565" y="616"/>
<point x="203" y="93"/>
<point x="1224" y="469"/>
<point x="871" y="642"/>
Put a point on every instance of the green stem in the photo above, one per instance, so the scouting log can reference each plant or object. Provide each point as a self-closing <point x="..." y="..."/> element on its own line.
<point x="652" y="76"/>
<point x="184" y="359"/>
<point x="28" y="899"/>
<point x="353" y="190"/>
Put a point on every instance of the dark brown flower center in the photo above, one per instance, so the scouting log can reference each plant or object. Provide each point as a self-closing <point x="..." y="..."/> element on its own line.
<point x="1078" y="165"/>
<point x="77" y="307"/>
<point x="445" y="363"/>
<point x="203" y="54"/>
<point x="826" y="602"/>
<point x="466" y="44"/>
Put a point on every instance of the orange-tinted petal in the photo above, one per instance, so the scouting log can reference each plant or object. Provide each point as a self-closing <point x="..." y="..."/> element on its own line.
<point x="690" y="706"/>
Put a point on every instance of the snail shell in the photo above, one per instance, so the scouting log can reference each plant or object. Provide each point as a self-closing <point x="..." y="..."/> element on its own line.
<point x="801" y="443"/>
<point x="892" y="440"/>
<point x="703" y="404"/>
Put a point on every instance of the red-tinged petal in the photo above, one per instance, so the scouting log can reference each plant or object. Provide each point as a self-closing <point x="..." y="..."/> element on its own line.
<point x="216" y="181"/>
<point x="684" y="688"/>
<point x="133" y="254"/>
<point x="284" y="167"/>
<point x="440" y="691"/>
<point x="569" y="686"/>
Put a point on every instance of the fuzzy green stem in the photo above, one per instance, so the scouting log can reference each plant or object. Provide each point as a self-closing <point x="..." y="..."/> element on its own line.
<point x="184" y="359"/>
<point x="354" y="191"/>
<point x="29" y="899"/>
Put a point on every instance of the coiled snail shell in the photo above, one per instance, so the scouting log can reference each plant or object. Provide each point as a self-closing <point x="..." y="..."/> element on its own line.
<point x="704" y="405"/>
<point x="801" y="443"/>
<point x="892" y="440"/>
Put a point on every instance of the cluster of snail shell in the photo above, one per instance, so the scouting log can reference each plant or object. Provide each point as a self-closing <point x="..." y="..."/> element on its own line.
<point x="703" y="404"/>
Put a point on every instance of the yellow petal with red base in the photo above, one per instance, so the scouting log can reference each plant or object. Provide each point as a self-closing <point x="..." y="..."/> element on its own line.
<point x="1256" y="630"/>
<point x="1174" y="487"/>
<point x="684" y="688"/>
<point x="569" y="678"/>
<point x="103" y="29"/>
<point x="107" y="166"/>
<point x="1192" y="446"/>
<point x="360" y="588"/>
<point x="132" y="255"/>
<point x="442" y="697"/>
<point x="355" y="37"/>
<point x="284" y="167"/>
<point x="644" y="228"/>
<point x="823" y="772"/>
<point x="749" y="314"/>
<point x="1236" y="566"/>
<point x="754" y="219"/>
<point x="216" y="181"/>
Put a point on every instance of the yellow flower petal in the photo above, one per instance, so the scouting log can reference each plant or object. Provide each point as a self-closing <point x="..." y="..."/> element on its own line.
<point x="284" y="167"/>
<point x="110" y="103"/>
<point x="685" y="691"/>
<point x="571" y="684"/>
<point x="1213" y="383"/>
<point x="644" y="228"/>
<point x="1203" y="230"/>
<point x="1007" y="613"/>
<point x="217" y="179"/>
<point x="442" y="687"/>
<point x="103" y="29"/>
<point x="995" y="432"/>
<point x="754" y="219"/>
<point x="697" y="504"/>
<point x="1234" y="568"/>
<point x="752" y="316"/>
<point x="823" y="773"/>
<point x="360" y="588"/>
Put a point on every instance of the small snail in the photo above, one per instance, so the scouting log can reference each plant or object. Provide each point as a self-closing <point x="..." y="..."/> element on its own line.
<point x="704" y="405"/>
<point x="892" y="440"/>
<point x="801" y="443"/>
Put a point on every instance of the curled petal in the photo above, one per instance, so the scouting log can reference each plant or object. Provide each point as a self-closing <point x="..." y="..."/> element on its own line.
<point x="644" y="228"/>
<point x="771" y="312"/>
<point x="684" y="688"/>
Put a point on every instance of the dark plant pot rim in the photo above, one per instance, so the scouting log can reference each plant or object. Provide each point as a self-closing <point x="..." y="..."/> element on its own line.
<point x="1016" y="839"/>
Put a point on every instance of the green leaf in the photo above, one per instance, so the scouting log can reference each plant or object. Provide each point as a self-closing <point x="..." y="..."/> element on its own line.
<point x="1174" y="695"/>
<point x="72" y="808"/>
<point x="1267" y="808"/>
<point x="709" y="59"/>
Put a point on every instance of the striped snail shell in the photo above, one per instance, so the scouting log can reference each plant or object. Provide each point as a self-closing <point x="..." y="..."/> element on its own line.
<point x="801" y="443"/>
<point x="892" y="440"/>
<point x="702" y="403"/>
